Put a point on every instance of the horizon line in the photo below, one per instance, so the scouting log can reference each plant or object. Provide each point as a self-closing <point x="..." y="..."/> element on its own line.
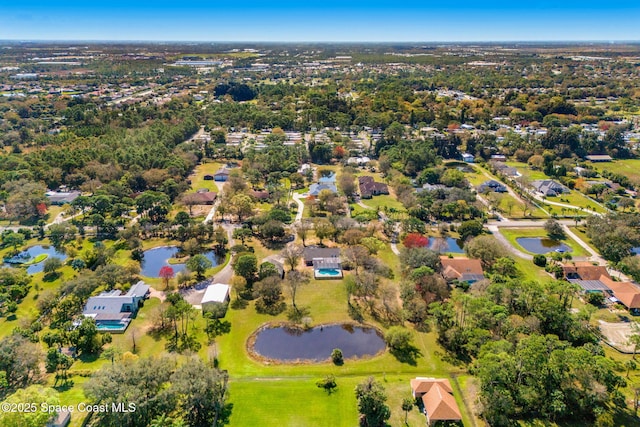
<point x="105" y="41"/>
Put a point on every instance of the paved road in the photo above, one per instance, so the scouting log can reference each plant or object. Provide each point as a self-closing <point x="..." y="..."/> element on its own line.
<point x="500" y="238"/>
<point x="298" y="199"/>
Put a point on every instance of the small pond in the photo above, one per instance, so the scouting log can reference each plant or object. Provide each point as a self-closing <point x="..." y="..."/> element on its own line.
<point x="541" y="245"/>
<point x="156" y="258"/>
<point x="286" y="344"/>
<point x="447" y="245"/>
<point x="33" y="252"/>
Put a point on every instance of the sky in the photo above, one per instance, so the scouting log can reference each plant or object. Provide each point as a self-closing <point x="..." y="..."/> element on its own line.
<point x="320" y="21"/>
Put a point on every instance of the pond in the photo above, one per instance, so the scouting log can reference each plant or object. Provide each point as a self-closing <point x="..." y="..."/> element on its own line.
<point x="541" y="245"/>
<point x="156" y="258"/>
<point x="33" y="252"/>
<point x="448" y="245"/>
<point x="289" y="344"/>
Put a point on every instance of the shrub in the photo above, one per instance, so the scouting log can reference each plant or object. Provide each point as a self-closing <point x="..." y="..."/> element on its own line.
<point x="540" y="260"/>
<point x="336" y="357"/>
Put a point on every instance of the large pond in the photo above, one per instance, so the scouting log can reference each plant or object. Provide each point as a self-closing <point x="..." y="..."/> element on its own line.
<point x="286" y="344"/>
<point x="33" y="252"/>
<point x="447" y="245"/>
<point x="156" y="258"/>
<point x="541" y="245"/>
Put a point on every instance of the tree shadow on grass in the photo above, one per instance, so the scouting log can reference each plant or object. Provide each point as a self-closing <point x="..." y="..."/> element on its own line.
<point x="408" y="354"/>
<point x="239" y="304"/>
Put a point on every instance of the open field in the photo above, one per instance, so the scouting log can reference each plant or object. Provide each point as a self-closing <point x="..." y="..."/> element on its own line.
<point x="627" y="167"/>
<point x="197" y="177"/>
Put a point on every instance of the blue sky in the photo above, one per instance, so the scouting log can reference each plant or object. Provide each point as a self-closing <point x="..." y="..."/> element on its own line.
<point x="313" y="20"/>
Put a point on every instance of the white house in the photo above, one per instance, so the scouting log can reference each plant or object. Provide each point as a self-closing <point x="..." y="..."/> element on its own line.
<point x="218" y="293"/>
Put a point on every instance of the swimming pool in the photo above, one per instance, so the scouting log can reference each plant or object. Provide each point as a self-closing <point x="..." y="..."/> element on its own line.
<point x="328" y="273"/>
<point x="112" y="326"/>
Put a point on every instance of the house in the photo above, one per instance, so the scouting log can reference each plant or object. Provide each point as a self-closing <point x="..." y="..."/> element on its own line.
<point x="112" y="310"/>
<point x="597" y="158"/>
<point x="315" y="189"/>
<point x="461" y="269"/>
<point x="369" y="187"/>
<point x="467" y="158"/>
<point x="217" y="293"/>
<point x="222" y="175"/>
<point x="492" y="185"/>
<point x="203" y="197"/>
<point x="60" y="198"/>
<point x="583" y="270"/>
<point x="260" y="194"/>
<point x="208" y="177"/>
<point x="627" y="293"/>
<point x="437" y="399"/>
<point x="505" y="170"/>
<point x="430" y="187"/>
<point x="549" y="188"/>
<point x="315" y="253"/>
<point x="61" y="419"/>
<point x="499" y="157"/>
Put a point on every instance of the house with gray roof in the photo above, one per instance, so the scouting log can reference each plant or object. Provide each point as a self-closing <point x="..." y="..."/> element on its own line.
<point x="492" y="186"/>
<point x="549" y="188"/>
<point x="113" y="310"/>
<point x="315" y="189"/>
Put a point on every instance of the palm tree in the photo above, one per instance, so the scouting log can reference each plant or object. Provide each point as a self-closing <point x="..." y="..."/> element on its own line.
<point x="162" y="421"/>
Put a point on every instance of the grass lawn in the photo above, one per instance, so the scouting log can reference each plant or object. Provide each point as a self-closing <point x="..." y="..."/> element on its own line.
<point x="577" y="199"/>
<point x="526" y="171"/>
<point x="513" y="233"/>
<point x="627" y="167"/>
<point x="197" y="177"/>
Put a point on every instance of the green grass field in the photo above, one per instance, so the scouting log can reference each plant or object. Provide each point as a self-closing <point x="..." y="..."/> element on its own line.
<point x="197" y="178"/>
<point x="627" y="167"/>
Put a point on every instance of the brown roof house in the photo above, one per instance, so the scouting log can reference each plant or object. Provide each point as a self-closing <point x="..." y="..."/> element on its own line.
<point x="369" y="187"/>
<point x="437" y="398"/>
<point x="584" y="270"/>
<point x="626" y="292"/>
<point x="461" y="269"/>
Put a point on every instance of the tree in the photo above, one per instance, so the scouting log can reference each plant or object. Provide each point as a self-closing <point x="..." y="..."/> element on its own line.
<point x="328" y="383"/>
<point x="415" y="240"/>
<point x="485" y="248"/>
<point x="199" y="264"/>
<point x="272" y="230"/>
<point x="166" y="274"/>
<point x="268" y="292"/>
<point x="241" y="205"/>
<point x="13" y="239"/>
<point x="239" y="285"/>
<point x="302" y="230"/>
<point x="634" y="340"/>
<point x="292" y="254"/>
<point x="51" y="266"/>
<point x="407" y="405"/>
<point x="201" y="393"/>
<point x="296" y="279"/>
<point x="346" y="183"/>
<point x="358" y="256"/>
<point x="20" y="360"/>
<point x="324" y="229"/>
<point x="554" y="229"/>
<point x="242" y="234"/>
<point x="24" y="198"/>
<point x="246" y="265"/>
<point x="371" y="398"/>
<point x="397" y="337"/>
<point x="373" y="244"/>
<point x="35" y="395"/>
<point x="471" y="228"/>
<point x="337" y="357"/>
<point x="62" y="233"/>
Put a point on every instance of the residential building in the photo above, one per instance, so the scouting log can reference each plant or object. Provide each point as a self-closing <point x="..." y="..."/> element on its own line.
<point x="114" y="307"/>
<point x="217" y="293"/>
<point x="437" y="399"/>
<point x="492" y="186"/>
<point x="584" y="270"/>
<point x="597" y="158"/>
<point x="369" y="187"/>
<point x="59" y="198"/>
<point x="312" y="253"/>
<point x="467" y="158"/>
<point x="315" y="189"/>
<point x="549" y="188"/>
<point x="222" y="175"/>
<point x="461" y="269"/>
